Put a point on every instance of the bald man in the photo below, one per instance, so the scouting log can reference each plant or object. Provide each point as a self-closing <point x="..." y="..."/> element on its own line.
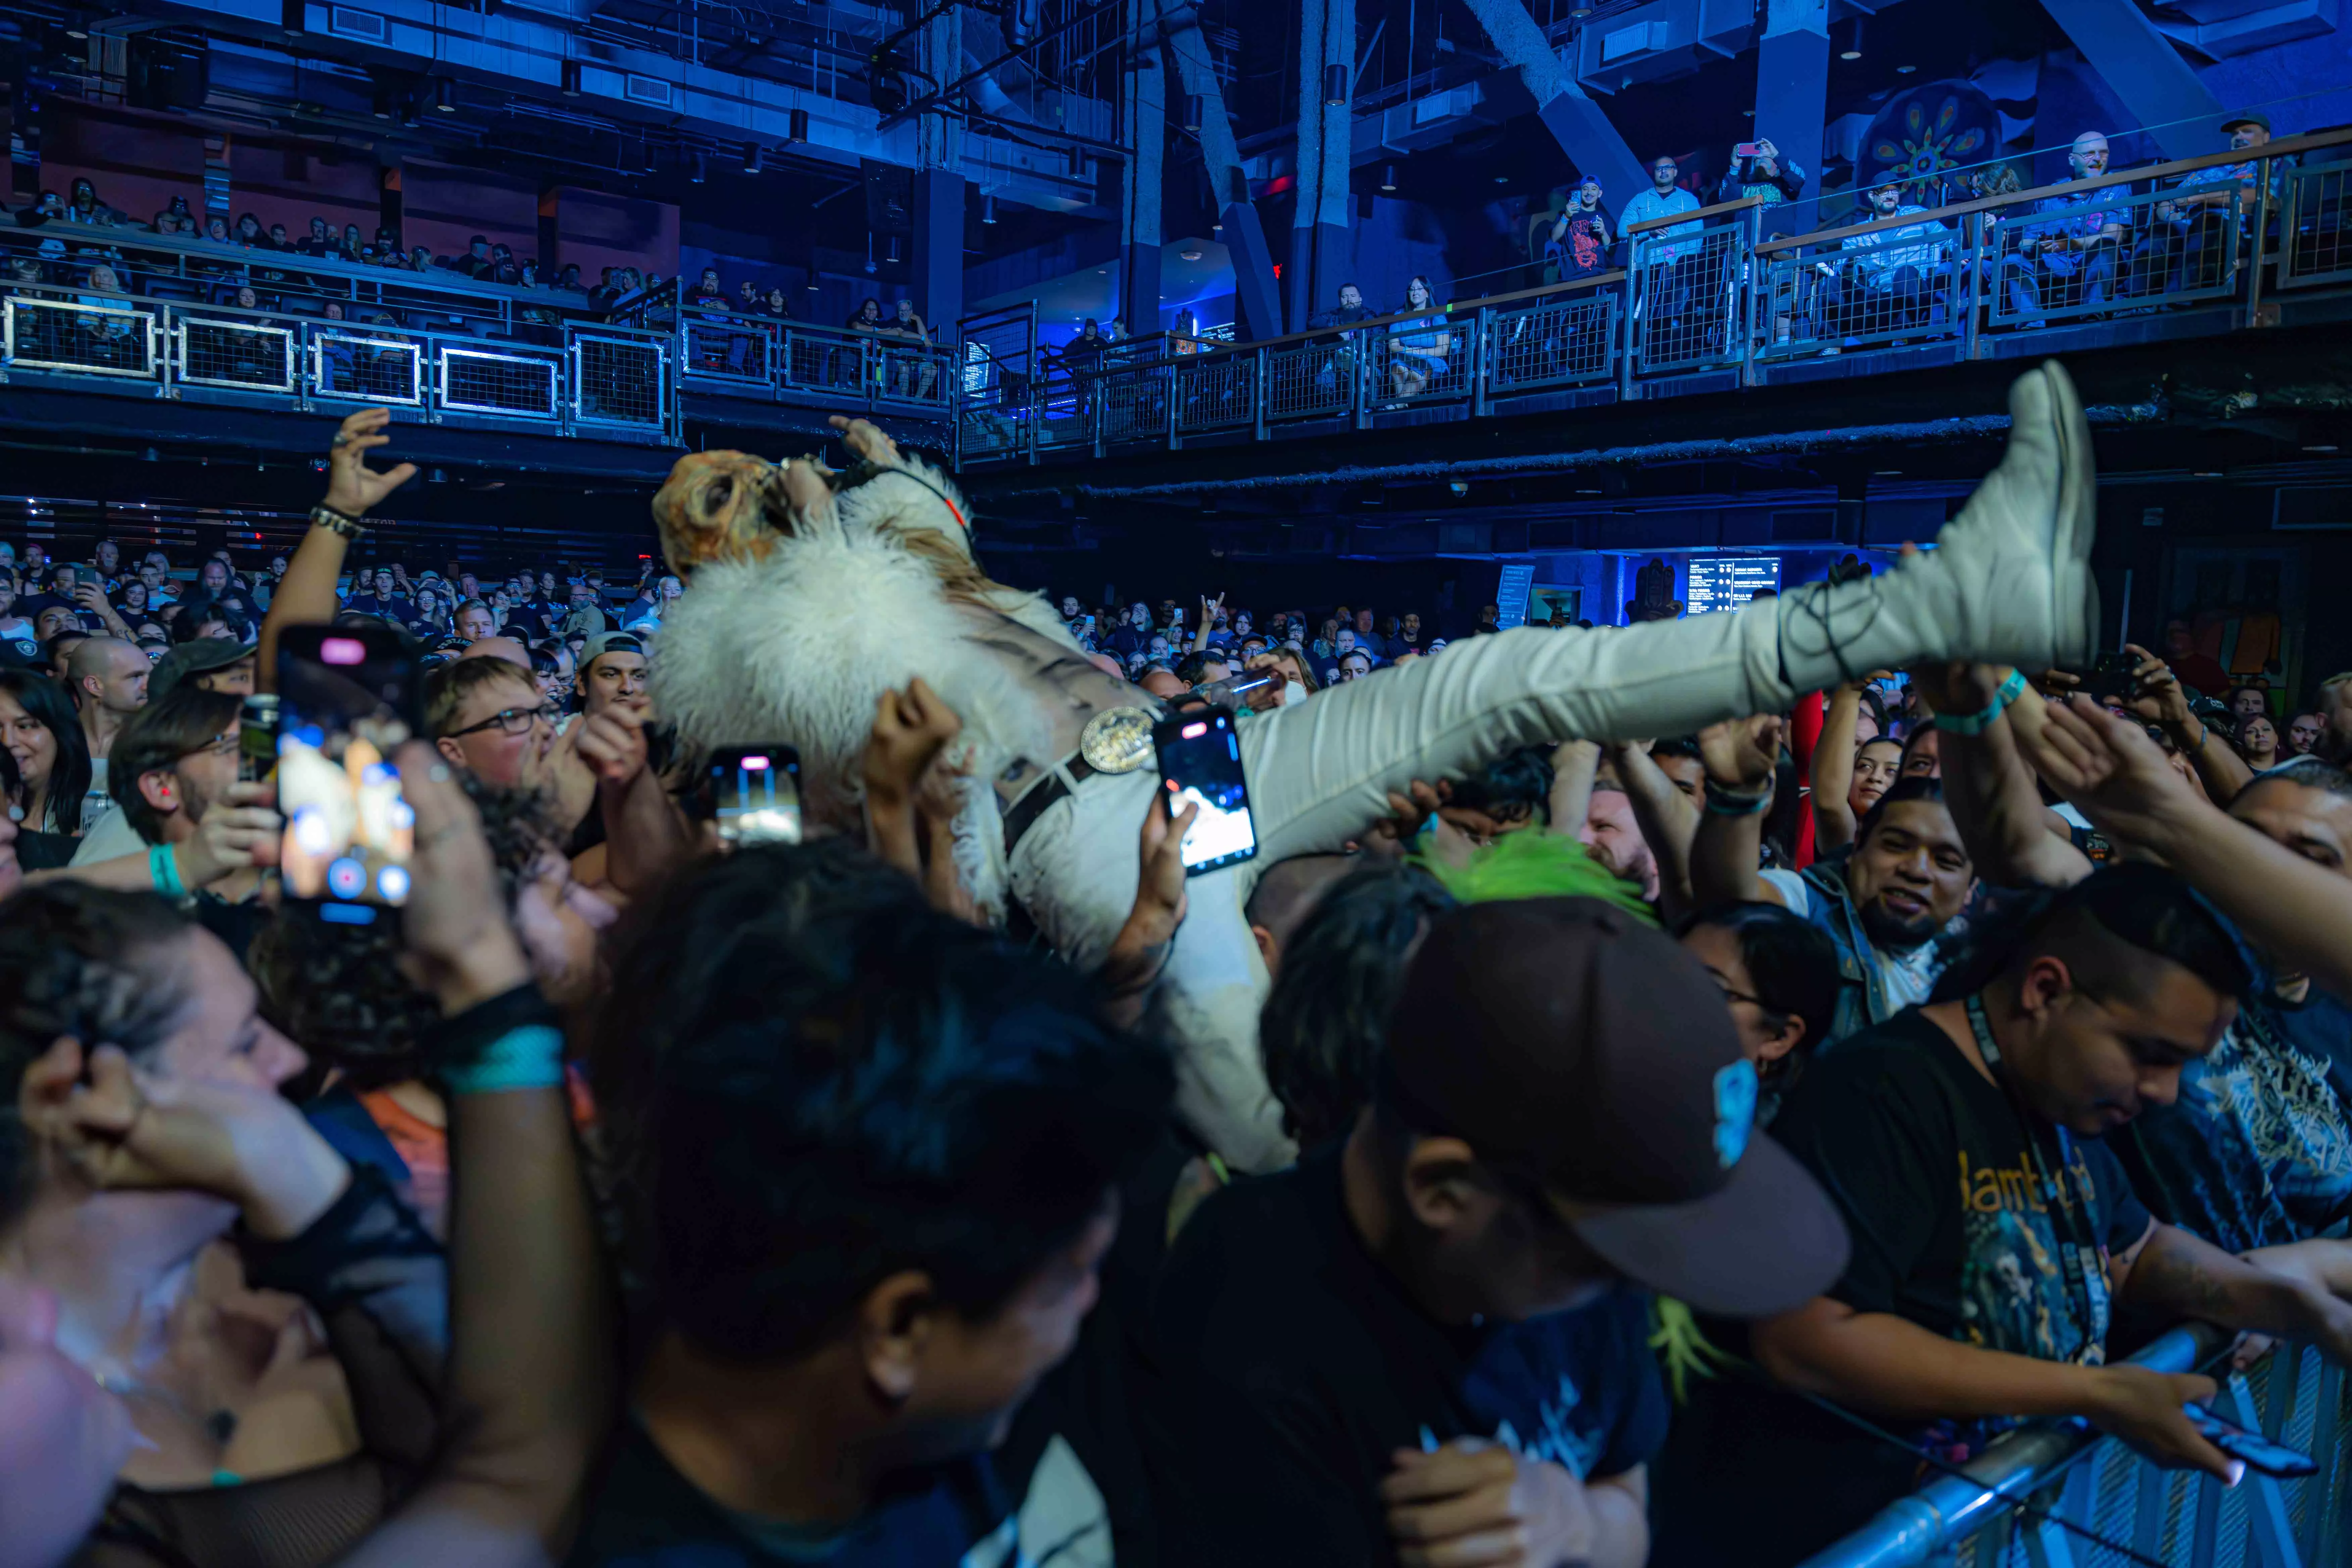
<point x="108" y="679"/>
<point x="2064" y="259"/>
<point x="506" y="649"/>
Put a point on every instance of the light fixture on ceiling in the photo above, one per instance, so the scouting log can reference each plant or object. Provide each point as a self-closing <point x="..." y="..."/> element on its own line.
<point x="1335" y="86"/>
<point x="1387" y="177"/>
<point x="1194" y="107"/>
<point x="1853" y="50"/>
<point x="988" y="209"/>
<point x="750" y="157"/>
<point x="694" y="169"/>
<point x="1078" y="160"/>
<point x="77" y="31"/>
<point x="800" y="126"/>
<point x="1905" y="70"/>
<point x="2206" y="474"/>
<point x="1502" y="179"/>
<point x="1195" y="256"/>
<point x="2328" y="446"/>
<point x="445" y="95"/>
<point x="870" y="268"/>
<point x="383" y="107"/>
<point x="894" y="249"/>
<point x="570" y="78"/>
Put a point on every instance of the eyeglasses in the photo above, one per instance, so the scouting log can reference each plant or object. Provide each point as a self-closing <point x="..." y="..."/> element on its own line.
<point x="511" y="721"/>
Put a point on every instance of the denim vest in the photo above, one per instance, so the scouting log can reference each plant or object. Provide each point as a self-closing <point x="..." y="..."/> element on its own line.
<point x="1862" y="997"/>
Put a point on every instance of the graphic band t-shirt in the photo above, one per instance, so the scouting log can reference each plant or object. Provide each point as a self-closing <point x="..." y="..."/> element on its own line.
<point x="1295" y="1367"/>
<point x="1930" y="1165"/>
<point x="643" y="1514"/>
<point x="2257" y="1151"/>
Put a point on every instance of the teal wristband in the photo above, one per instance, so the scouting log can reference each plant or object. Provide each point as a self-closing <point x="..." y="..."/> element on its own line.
<point x="529" y="1056"/>
<point x="165" y="871"/>
<point x="1977" y="723"/>
<point x="1731" y="803"/>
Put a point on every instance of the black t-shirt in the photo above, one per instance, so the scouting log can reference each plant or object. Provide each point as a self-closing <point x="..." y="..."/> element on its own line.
<point x="1931" y="1168"/>
<point x="643" y="1514"/>
<point x="1295" y="1367"/>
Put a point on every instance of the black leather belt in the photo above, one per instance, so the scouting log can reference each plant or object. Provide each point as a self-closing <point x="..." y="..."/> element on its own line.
<point x="1042" y="794"/>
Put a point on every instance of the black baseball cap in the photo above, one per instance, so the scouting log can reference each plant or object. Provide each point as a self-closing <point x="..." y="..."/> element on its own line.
<point x="2250" y="117"/>
<point x="189" y="659"/>
<point x="1565" y="1039"/>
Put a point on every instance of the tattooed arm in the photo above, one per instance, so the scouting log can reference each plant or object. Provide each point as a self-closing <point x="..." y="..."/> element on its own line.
<point x="1140" y="950"/>
<point x="2170" y="1274"/>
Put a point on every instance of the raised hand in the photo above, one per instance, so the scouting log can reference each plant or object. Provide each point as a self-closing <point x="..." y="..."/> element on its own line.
<point x="866" y="440"/>
<point x="353" y="488"/>
<point x="1741" y="754"/>
<point x="911" y="727"/>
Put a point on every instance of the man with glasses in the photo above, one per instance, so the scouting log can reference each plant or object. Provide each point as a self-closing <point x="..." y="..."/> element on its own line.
<point x="486" y="716"/>
<point x="174" y="765"/>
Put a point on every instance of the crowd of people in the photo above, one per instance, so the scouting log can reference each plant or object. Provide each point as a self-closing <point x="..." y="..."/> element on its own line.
<point x="647" y="1194"/>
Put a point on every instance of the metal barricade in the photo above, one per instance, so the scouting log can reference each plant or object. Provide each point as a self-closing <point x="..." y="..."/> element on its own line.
<point x="2001" y="1517"/>
<point x="1316" y="380"/>
<point x="1216" y="392"/>
<point x="1687" y="283"/>
<point x="1564" y="340"/>
<point x="998" y="354"/>
<point x="912" y="374"/>
<point x="246" y="354"/>
<point x="366" y="364"/>
<point x="715" y="347"/>
<point x="2313" y="246"/>
<point x="1428" y="359"/>
<point x="1063" y="414"/>
<point x="1136" y="401"/>
<point x="2096" y="252"/>
<point x="1910" y="283"/>
<point x="821" y="359"/>
<point x="619" y="380"/>
<point x="480" y="381"/>
<point x="81" y="337"/>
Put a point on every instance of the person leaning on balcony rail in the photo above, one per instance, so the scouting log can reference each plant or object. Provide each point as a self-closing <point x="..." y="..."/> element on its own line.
<point x="2186" y="245"/>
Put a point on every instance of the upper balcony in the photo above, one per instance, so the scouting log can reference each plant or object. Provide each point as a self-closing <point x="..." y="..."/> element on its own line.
<point x="1719" y="300"/>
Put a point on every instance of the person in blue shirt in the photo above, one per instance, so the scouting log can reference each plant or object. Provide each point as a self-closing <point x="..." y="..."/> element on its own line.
<point x="2186" y="245"/>
<point x="1418" y="348"/>
<point x="1662" y="258"/>
<point x="1885" y="280"/>
<point x="2066" y="257"/>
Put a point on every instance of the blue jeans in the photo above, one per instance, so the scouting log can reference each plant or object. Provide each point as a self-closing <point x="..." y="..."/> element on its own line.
<point x="2023" y="279"/>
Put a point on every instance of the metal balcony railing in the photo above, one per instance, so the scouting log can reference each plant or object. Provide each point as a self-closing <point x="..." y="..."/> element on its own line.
<point x="1705" y="300"/>
<point x="2006" y="1513"/>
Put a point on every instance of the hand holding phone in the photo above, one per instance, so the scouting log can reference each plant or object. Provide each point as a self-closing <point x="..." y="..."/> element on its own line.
<point x="1200" y="766"/>
<point x="346" y="701"/>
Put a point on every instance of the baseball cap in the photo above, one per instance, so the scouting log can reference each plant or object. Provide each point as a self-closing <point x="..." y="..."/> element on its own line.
<point x="201" y="656"/>
<point x="2250" y="117"/>
<point x="610" y="642"/>
<point x="1564" y="1039"/>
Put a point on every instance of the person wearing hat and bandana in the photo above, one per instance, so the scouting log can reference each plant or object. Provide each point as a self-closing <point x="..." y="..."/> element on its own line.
<point x="1434" y="1335"/>
<point x="1995" y="1236"/>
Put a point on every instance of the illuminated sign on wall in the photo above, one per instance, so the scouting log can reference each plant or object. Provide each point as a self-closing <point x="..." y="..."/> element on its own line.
<point x="1728" y="582"/>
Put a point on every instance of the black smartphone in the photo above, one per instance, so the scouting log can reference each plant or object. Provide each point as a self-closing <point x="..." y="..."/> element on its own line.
<point x="346" y="700"/>
<point x="758" y="793"/>
<point x="2112" y="678"/>
<point x="2260" y="1453"/>
<point x="1201" y="765"/>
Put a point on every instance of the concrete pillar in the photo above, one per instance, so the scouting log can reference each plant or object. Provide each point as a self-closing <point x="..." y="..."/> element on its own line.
<point x="1335" y="212"/>
<point x="1146" y="131"/>
<point x="939" y="248"/>
<point x="1306" y="167"/>
<point x="1257" y="307"/>
<point x="1792" y="85"/>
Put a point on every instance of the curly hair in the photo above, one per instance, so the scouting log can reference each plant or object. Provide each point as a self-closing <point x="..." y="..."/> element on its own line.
<point x="77" y="960"/>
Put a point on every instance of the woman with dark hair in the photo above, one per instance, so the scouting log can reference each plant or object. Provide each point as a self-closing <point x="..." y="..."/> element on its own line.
<point x="2257" y="743"/>
<point x="1780" y="978"/>
<point x="250" y="233"/>
<point x="38" y="727"/>
<point x="1417" y="348"/>
<point x="1325" y="1024"/>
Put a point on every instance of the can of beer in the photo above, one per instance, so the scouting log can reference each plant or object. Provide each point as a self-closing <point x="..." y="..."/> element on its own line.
<point x="256" y="737"/>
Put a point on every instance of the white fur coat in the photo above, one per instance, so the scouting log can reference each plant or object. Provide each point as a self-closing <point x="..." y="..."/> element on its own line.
<point x="799" y="648"/>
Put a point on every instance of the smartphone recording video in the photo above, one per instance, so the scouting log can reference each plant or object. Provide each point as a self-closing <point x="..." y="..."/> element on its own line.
<point x="758" y="789"/>
<point x="1201" y="765"/>
<point x="346" y="700"/>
